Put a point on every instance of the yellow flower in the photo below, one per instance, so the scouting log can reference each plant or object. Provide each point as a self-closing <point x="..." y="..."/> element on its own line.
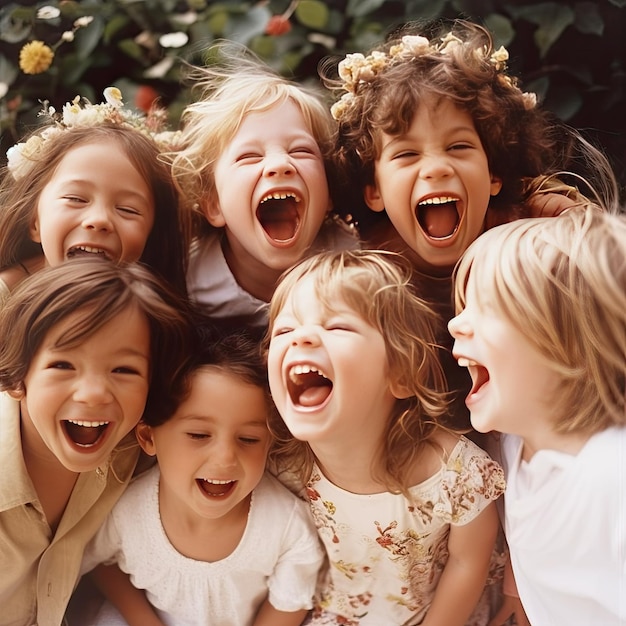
<point x="35" y="57"/>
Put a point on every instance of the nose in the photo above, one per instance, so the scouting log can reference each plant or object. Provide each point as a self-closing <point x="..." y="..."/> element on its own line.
<point x="223" y="454"/>
<point x="435" y="166"/>
<point x="97" y="217"/>
<point x="278" y="164"/>
<point x="305" y="336"/>
<point x="93" y="390"/>
<point x="459" y="326"/>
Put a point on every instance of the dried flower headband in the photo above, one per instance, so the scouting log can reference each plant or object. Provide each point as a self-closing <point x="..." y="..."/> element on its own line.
<point x="357" y="70"/>
<point x="73" y="115"/>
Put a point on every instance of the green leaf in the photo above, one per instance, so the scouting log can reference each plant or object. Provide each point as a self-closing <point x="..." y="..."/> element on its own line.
<point x="242" y="28"/>
<point x="552" y="18"/>
<point x="72" y="67"/>
<point x="588" y="18"/>
<point x="8" y="71"/>
<point x="217" y="22"/>
<point x="14" y="28"/>
<point x="312" y="13"/>
<point x="425" y="8"/>
<point x="618" y="3"/>
<point x="113" y="26"/>
<point x="360" y="8"/>
<point x="131" y="49"/>
<point x="87" y="38"/>
<point x="501" y="28"/>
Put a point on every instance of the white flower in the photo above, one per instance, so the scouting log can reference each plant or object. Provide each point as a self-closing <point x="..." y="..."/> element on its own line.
<point x="341" y="106"/>
<point x="113" y="96"/>
<point x="48" y="13"/>
<point x="68" y="35"/>
<point x="4" y="88"/>
<point x="190" y="17"/>
<point x="415" y="45"/>
<point x="85" y="20"/>
<point x="448" y="42"/>
<point x="530" y="100"/>
<point x="174" y="40"/>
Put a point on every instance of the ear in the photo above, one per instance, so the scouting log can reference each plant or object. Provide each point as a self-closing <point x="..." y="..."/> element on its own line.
<point x="33" y="231"/>
<point x="496" y="185"/>
<point x="143" y="432"/>
<point x="400" y="391"/>
<point x="18" y="393"/>
<point x="373" y="199"/>
<point x="211" y="210"/>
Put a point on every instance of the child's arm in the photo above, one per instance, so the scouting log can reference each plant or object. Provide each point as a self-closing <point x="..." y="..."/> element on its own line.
<point x="511" y="604"/>
<point x="269" y="616"/>
<point x="131" y="602"/>
<point x="463" y="578"/>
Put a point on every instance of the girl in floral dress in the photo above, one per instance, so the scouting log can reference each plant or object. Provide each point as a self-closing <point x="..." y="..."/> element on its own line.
<point x="403" y="506"/>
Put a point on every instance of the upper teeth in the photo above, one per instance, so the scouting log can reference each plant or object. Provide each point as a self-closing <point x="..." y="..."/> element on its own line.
<point x="280" y="195"/>
<point x="213" y="481"/>
<point x="464" y="362"/>
<point x="89" y="249"/>
<point x="440" y="200"/>
<point x="304" y="369"/>
<point x="87" y="424"/>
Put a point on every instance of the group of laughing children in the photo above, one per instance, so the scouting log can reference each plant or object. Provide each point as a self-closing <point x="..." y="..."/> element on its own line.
<point x="359" y="365"/>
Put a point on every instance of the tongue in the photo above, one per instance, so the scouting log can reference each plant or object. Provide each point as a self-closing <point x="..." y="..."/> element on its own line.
<point x="314" y="396"/>
<point x="279" y="219"/>
<point x="213" y="489"/>
<point x="83" y="435"/>
<point x="439" y="220"/>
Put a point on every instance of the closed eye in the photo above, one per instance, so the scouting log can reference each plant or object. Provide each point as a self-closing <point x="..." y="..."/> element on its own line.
<point x="250" y="441"/>
<point x="282" y="330"/>
<point x="198" y="436"/>
<point x="60" y="365"/>
<point x="128" y="210"/>
<point x="124" y="369"/>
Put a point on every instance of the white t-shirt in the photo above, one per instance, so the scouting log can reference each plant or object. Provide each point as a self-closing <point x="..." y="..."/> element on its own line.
<point x="212" y="285"/>
<point x="565" y="523"/>
<point x="279" y="553"/>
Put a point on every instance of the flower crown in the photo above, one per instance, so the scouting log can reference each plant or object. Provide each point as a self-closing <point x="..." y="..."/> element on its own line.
<point x="74" y="115"/>
<point x="357" y="70"/>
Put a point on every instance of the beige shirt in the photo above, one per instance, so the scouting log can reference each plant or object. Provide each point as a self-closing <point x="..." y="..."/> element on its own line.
<point x="38" y="570"/>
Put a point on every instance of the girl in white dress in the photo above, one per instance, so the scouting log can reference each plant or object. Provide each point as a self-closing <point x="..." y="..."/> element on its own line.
<point x="211" y="538"/>
<point x="403" y="506"/>
<point x="541" y="326"/>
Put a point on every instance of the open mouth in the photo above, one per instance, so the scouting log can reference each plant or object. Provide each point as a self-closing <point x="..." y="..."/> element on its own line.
<point x="87" y="251"/>
<point x="83" y="433"/>
<point x="278" y="215"/>
<point x="438" y="216"/>
<point x="215" y="488"/>
<point x="479" y="374"/>
<point x="307" y="386"/>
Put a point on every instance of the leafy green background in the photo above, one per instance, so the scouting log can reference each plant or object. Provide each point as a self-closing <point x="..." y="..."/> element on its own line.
<point x="571" y="53"/>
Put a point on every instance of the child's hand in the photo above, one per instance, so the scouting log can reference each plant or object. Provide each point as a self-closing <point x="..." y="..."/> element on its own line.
<point x="511" y="607"/>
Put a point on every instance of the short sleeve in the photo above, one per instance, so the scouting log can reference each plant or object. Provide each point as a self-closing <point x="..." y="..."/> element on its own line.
<point x="292" y="584"/>
<point x="470" y="481"/>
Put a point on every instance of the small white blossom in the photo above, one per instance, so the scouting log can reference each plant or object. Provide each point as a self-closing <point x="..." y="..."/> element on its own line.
<point x="83" y="21"/>
<point x="174" y="40"/>
<point x="4" y="88"/>
<point x="68" y="35"/>
<point x="48" y="13"/>
<point x="113" y="96"/>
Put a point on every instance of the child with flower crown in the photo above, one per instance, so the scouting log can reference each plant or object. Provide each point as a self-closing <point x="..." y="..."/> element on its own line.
<point x="405" y="507"/>
<point x="90" y="184"/>
<point x="541" y="327"/>
<point x="87" y="348"/>
<point x="444" y="144"/>
<point x="253" y="168"/>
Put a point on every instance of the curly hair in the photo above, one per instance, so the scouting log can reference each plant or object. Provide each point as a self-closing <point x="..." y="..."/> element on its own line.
<point x="521" y="140"/>
<point x="376" y="285"/>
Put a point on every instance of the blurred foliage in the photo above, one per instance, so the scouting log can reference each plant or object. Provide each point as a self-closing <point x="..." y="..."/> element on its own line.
<point x="571" y="53"/>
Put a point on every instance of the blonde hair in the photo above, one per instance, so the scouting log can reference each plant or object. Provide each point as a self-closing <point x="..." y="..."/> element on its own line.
<point x="562" y="283"/>
<point x="236" y="84"/>
<point x="376" y="285"/>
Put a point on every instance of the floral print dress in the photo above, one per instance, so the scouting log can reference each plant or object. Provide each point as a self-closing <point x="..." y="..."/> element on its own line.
<point x="385" y="553"/>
